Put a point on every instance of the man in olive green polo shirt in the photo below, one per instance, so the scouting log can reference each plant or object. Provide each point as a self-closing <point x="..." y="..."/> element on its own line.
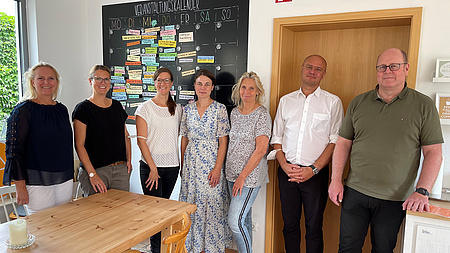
<point x="385" y="129"/>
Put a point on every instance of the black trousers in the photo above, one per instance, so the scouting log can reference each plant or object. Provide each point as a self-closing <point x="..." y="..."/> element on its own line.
<point x="166" y="182"/>
<point x="312" y="195"/>
<point x="358" y="211"/>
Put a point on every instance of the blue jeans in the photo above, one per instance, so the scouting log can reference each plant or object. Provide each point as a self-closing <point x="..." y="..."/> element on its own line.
<point x="240" y="217"/>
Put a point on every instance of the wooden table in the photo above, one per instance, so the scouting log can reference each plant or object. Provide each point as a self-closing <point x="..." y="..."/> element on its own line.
<point x="108" y="222"/>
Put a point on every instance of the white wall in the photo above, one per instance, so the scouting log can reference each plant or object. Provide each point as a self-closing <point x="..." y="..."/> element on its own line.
<point x="69" y="36"/>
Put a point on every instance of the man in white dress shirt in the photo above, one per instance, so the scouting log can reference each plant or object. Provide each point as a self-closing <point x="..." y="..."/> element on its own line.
<point x="305" y="131"/>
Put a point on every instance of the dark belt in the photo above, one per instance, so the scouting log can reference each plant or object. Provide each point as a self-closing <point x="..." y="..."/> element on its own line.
<point x="116" y="163"/>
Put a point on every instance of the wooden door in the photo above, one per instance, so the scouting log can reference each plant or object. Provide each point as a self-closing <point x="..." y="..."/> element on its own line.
<point x="350" y="43"/>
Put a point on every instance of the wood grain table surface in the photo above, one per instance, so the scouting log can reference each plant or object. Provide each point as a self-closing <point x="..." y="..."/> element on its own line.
<point x="108" y="222"/>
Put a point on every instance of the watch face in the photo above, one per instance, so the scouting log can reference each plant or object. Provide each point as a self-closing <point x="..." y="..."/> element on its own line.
<point x="91" y="174"/>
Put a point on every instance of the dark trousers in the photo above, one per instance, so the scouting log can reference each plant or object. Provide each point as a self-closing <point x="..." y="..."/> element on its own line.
<point x="166" y="182"/>
<point x="358" y="211"/>
<point x="313" y="195"/>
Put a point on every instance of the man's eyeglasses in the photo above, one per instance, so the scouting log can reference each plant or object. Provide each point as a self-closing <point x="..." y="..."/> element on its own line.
<point x="393" y="67"/>
<point x="166" y="81"/>
<point x="101" y="80"/>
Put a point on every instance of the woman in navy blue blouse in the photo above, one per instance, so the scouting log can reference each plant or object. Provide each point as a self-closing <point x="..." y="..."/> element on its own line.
<point x="39" y="153"/>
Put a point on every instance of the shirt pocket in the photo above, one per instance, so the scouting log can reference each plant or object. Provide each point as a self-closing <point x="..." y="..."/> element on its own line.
<point x="320" y="122"/>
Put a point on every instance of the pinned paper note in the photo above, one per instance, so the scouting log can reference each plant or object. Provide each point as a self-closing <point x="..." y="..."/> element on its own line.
<point x="131" y="37"/>
<point x="135" y="32"/>
<point x="134" y="81"/>
<point x="129" y="44"/>
<point x="169" y="27"/>
<point x="135" y="72"/>
<point x="167" y="58"/>
<point x="205" y="59"/>
<point x="183" y="60"/>
<point x="135" y="51"/>
<point x="188" y="72"/>
<point x="185" y="97"/>
<point x="187" y="92"/>
<point x="148" y="41"/>
<point x="131" y="91"/>
<point x="152" y="68"/>
<point x="169" y="50"/>
<point x="130" y="63"/>
<point x="133" y="96"/>
<point x="168" y="54"/>
<point x="134" y="77"/>
<point x="151" y="88"/>
<point x="133" y="58"/>
<point x="153" y="29"/>
<point x="167" y="43"/>
<point x="187" y="54"/>
<point x="147" y="80"/>
<point x="151" y="50"/>
<point x="149" y="37"/>
<point x="168" y="32"/>
<point x="186" y="37"/>
<point x="168" y="37"/>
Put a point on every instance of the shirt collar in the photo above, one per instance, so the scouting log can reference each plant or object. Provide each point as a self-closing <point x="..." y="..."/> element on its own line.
<point x="402" y="94"/>
<point x="316" y="93"/>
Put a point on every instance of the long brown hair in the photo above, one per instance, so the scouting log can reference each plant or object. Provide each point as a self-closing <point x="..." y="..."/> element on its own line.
<point x="171" y="105"/>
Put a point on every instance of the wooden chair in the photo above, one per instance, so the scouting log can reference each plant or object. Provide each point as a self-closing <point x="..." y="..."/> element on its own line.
<point x="179" y="238"/>
<point x="2" y="161"/>
<point x="6" y="195"/>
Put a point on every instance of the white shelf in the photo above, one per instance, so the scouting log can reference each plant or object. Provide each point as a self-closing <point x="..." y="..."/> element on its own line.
<point x="441" y="80"/>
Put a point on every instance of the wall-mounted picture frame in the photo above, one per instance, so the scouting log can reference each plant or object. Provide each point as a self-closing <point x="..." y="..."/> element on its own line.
<point x="442" y="73"/>
<point x="443" y="107"/>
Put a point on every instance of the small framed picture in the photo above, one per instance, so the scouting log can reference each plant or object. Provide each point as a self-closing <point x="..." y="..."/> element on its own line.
<point x="443" y="68"/>
<point x="443" y="106"/>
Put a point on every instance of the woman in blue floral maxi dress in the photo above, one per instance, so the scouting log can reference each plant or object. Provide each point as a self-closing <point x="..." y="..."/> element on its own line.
<point x="204" y="130"/>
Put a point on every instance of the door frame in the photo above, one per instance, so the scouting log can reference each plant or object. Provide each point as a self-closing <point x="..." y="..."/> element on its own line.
<point x="284" y="30"/>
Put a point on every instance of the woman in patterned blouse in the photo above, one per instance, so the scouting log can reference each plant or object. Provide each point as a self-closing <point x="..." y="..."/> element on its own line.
<point x="246" y="165"/>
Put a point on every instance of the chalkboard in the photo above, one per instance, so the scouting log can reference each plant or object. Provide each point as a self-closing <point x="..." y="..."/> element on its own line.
<point x="182" y="35"/>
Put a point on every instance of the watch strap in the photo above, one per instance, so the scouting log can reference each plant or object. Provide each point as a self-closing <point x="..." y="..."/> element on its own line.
<point x="422" y="191"/>
<point x="314" y="169"/>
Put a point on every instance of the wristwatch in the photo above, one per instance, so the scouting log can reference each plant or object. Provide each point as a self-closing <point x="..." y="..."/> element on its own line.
<point x="92" y="174"/>
<point x="422" y="191"/>
<point x="315" y="170"/>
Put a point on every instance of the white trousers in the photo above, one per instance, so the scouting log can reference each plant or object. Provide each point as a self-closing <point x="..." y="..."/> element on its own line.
<point x="43" y="197"/>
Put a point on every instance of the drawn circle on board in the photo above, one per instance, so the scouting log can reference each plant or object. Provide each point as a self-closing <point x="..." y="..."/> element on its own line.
<point x="128" y="68"/>
<point x="142" y="30"/>
<point x="161" y="50"/>
<point x="144" y="86"/>
<point x="178" y="26"/>
<point x="198" y="48"/>
<point x="128" y="104"/>
<point x="218" y="68"/>
<point x="111" y="31"/>
<point x="197" y="27"/>
<point x="128" y="85"/>
<point x="112" y="68"/>
<point x="180" y="88"/>
<point x="219" y="25"/>
<point x="126" y="32"/>
<point x="111" y="51"/>
<point x="218" y="46"/>
<point x="111" y="86"/>
<point x="178" y="48"/>
<point x="143" y="68"/>
<point x="128" y="51"/>
<point x="143" y="50"/>
<point x="179" y="68"/>
<point x="197" y="68"/>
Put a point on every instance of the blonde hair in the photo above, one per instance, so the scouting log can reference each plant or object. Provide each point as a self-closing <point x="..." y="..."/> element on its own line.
<point x="236" y="96"/>
<point x="29" y="76"/>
